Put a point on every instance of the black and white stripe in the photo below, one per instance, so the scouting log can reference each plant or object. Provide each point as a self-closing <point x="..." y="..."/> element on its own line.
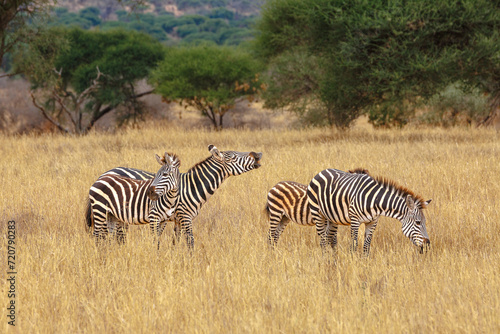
<point x="341" y="198"/>
<point x="115" y="201"/>
<point x="199" y="183"/>
<point x="287" y="201"/>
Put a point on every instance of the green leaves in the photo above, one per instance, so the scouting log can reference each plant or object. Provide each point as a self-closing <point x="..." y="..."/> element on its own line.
<point x="206" y="77"/>
<point x="84" y="72"/>
<point x="376" y="53"/>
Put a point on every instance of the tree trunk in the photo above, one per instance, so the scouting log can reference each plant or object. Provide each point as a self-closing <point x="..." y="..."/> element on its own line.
<point x="494" y="111"/>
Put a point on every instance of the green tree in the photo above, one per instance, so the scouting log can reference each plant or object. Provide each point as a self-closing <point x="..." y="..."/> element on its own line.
<point x="20" y="20"/>
<point x="90" y="75"/>
<point x="381" y="56"/>
<point x="210" y="78"/>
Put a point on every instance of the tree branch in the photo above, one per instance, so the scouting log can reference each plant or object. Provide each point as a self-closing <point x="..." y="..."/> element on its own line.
<point x="9" y="74"/>
<point x="89" y="90"/>
<point x="63" y="106"/>
<point x="106" y="110"/>
<point x="46" y="115"/>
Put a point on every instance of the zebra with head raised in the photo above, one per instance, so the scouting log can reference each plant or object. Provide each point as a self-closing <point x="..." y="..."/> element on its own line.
<point x="198" y="184"/>
<point x="287" y="201"/>
<point x="116" y="201"/>
<point x="340" y="198"/>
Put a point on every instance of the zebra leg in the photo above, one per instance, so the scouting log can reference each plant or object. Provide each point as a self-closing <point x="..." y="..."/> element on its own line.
<point x="276" y="227"/>
<point x="161" y="227"/>
<point x="184" y="225"/>
<point x="177" y="232"/>
<point x="281" y="227"/>
<point x="154" y="225"/>
<point x="332" y="234"/>
<point x="322" y="231"/>
<point x="121" y="233"/>
<point x="100" y="223"/>
<point x="354" y="235"/>
<point x="369" y="229"/>
<point x="187" y="228"/>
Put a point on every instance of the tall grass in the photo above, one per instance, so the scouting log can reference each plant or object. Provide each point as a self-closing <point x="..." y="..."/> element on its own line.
<point x="232" y="281"/>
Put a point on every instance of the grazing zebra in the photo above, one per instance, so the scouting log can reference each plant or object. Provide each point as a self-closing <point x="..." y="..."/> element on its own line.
<point x="287" y="201"/>
<point x="340" y="198"/>
<point x="198" y="184"/>
<point x="116" y="201"/>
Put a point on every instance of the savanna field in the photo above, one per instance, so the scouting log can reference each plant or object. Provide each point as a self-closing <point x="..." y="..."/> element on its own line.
<point x="232" y="282"/>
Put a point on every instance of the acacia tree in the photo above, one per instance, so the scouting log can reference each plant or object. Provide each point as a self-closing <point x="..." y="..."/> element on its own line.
<point x="85" y="75"/>
<point x="209" y="78"/>
<point x="381" y="56"/>
<point x="21" y="21"/>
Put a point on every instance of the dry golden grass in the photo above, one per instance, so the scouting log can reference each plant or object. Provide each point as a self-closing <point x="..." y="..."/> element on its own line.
<point x="232" y="282"/>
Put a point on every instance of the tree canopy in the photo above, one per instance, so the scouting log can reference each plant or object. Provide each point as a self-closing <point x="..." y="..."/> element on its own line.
<point x="379" y="56"/>
<point x="207" y="77"/>
<point x="19" y="22"/>
<point x="93" y="73"/>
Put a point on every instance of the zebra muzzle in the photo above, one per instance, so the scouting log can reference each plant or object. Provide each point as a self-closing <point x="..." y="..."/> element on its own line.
<point x="257" y="157"/>
<point x="426" y="245"/>
<point x="152" y="193"/>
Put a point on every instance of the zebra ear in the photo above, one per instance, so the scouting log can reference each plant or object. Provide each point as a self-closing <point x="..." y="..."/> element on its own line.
<point x="215" y="152"/>
<point x="158" y="158"/>
<point x="427" y="202"/>
<point x="170" y="159"/>
<point x="410" y="202"/>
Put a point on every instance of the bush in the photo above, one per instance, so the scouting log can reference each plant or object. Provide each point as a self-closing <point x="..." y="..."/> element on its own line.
<point x="453" y="106"/>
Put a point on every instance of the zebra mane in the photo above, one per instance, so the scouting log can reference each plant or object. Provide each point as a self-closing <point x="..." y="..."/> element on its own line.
<point x="198" y="163"/>
<point x="359" y="171"/>
<point x="403" y="191"/>
<point x="176" y="161"/>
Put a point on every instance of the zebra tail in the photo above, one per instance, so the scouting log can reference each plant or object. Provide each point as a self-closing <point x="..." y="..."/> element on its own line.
<point x="88" y="217"/>
<point x="266" y="210"/>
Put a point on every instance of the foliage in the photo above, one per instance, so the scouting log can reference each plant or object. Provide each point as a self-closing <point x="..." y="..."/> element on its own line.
<point x="295" y="87"/>
<point x="207" y="77"/>
<point x="377" y="54"/>
<point x="95" y="73"/>
<point x="453" y="107"/>
<point x="219" y="25"/>
<point x="20" y="22"/>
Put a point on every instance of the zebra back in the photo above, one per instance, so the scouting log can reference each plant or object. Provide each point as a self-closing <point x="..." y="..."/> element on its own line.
<point x="133" y="173"/>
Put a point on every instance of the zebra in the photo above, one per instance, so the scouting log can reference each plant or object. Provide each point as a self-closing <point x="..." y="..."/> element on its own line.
<point x="287" y="201"/>
<point x="198" y="184"/>
<point x="339" y="198"/>
<point x="115" y="201"/>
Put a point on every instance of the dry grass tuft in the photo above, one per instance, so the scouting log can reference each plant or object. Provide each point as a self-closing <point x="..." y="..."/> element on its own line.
<point x="232" y="281"/>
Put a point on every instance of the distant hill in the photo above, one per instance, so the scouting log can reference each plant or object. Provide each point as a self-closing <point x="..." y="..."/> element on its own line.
<point x="176" y="7"/>
<point x="223" y="22"/>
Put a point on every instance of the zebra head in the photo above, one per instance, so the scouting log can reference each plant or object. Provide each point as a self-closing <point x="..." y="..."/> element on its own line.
<point x="167" y="177"/>
<point x="236" y="163"/>
<point x="414" y="222"/>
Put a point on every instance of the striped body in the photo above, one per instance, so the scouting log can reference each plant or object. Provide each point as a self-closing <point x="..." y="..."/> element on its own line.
<point x="115" y="202"/>
<point x="198" y="184"/>
<point x="287" y="201"/>
<point x="341" y="198"/>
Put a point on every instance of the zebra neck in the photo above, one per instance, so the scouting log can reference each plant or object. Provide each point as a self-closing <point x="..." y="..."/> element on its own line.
<point x="204" y="178"/>
<point x="169" y="199"/>
<point x="394" y="206"/>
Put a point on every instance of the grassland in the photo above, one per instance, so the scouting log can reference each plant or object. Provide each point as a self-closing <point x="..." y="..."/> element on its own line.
<point x="232" y="282"/>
